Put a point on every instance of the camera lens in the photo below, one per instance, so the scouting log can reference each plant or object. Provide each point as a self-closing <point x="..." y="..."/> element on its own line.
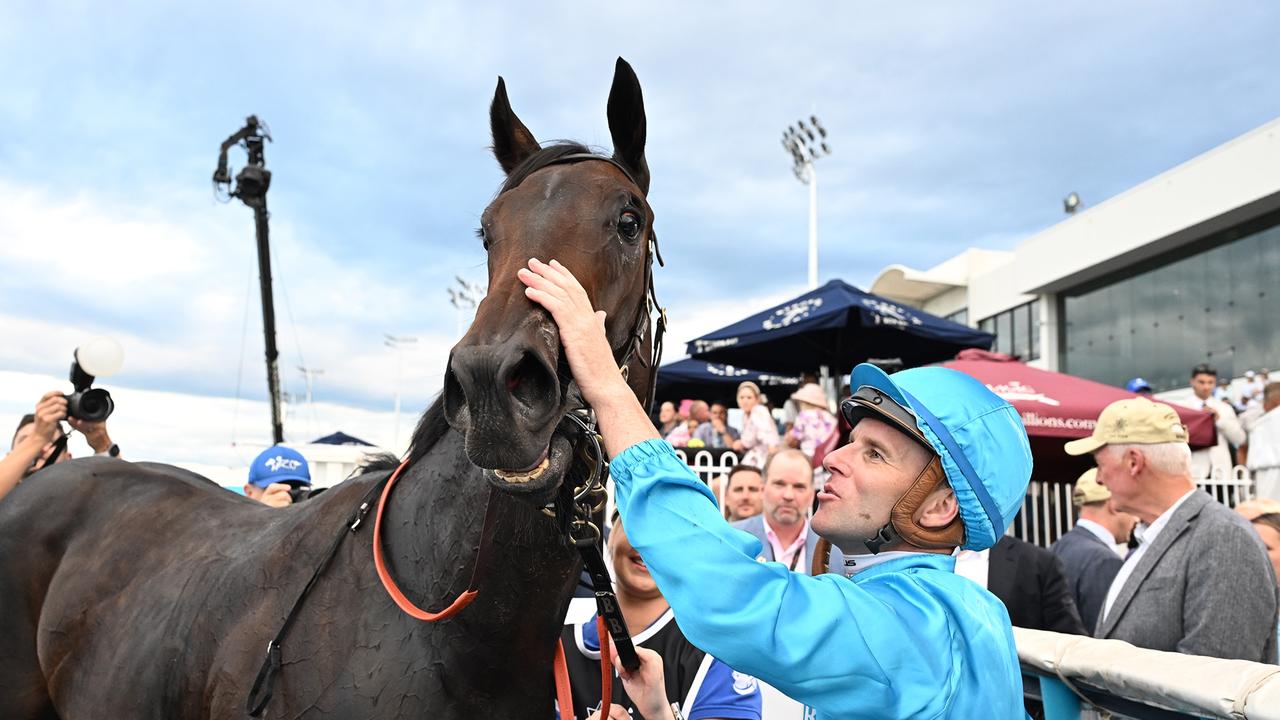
<point x="93" y="405"/>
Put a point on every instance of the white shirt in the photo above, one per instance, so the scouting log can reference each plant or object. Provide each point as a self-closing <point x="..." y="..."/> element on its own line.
<point x="1264" y="454"/>
<point x="1101" y="532"/>
<point x="1217" y="458"/>
<point x="1146" y="535"/>
<point x="974" y="565"/>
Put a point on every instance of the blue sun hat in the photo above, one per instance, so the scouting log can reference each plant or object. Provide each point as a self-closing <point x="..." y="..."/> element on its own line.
<point x="279" y="464"/>
<point x="978" y="436"/>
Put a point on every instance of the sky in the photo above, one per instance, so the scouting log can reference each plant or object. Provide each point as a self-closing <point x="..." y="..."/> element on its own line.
<point x="952" y="126"/>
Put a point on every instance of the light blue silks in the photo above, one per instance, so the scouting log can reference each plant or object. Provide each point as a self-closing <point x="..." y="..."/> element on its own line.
<point x="906" y="638"/>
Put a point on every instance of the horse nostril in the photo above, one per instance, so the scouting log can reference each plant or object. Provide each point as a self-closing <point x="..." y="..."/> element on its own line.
<point x="530" y="382"/>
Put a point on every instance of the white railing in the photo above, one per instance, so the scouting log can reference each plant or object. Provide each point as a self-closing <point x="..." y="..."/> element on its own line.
<point x="1078" y="673"/>
<point x="707" y="466"/>
<point x="1047" y="513"/>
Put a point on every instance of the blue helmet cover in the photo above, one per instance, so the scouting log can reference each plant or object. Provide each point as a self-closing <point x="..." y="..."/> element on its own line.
<point x="979" y="437"/>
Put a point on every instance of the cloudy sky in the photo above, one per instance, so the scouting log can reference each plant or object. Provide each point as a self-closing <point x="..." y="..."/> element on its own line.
<point x="953" y="125"/>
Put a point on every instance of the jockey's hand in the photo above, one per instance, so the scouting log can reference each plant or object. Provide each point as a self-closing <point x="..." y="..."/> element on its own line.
<point x="552" y="286"/>
<point x="623" y="422"/>
<point x="645" y="685"/>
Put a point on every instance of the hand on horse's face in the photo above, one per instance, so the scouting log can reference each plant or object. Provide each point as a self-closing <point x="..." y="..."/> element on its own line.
<point x="581" y="330"/>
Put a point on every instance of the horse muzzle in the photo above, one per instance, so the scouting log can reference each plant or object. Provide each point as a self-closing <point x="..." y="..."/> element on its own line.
<point x="506" y="400"/>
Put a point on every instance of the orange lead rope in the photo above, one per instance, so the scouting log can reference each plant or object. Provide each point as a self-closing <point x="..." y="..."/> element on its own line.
<point x="564" y="696"/>
<point x="389" y="583"/>
<point x="606" y="669"/>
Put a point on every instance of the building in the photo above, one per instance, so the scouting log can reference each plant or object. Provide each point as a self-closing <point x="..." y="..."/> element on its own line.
<point x="1179" y="270"/>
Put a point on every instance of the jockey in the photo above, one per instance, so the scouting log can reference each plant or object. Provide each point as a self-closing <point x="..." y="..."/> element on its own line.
<point x="935" y="462"/>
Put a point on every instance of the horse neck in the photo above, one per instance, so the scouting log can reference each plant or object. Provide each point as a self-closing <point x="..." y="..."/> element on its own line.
<point x="432" y="533"/>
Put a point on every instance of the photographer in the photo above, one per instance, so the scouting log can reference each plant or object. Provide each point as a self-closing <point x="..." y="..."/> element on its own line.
<point x="40" y="435"/>
<point x="279" y="477"/>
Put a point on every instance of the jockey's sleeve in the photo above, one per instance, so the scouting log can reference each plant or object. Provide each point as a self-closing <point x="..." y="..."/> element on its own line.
<point x="826" y="641"/>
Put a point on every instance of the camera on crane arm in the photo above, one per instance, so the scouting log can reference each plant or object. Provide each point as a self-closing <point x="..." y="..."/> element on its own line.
<point x="254" y="179"/>
<point x="98" y="357"/>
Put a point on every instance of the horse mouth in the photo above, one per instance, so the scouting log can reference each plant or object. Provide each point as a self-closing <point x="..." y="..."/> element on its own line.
<point x="546" y="474"/>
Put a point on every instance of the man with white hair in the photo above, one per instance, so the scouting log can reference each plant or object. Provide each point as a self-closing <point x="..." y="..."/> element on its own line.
<point x="1200" y="581"/>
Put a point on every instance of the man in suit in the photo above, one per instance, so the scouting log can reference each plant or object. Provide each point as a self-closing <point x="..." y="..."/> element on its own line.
<point x="1199" y="582"/>
<point x="783" y="527"/>
<point x="1029" y="581"/>
<point x="1088" y="551"/>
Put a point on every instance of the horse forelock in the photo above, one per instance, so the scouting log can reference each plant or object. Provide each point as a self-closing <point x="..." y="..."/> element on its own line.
<point x="549" y="155"/>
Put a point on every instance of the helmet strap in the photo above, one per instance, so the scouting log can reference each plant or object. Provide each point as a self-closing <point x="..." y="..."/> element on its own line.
<point x="902" y="524"/>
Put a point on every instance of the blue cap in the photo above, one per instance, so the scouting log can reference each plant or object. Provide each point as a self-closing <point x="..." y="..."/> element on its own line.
<point x="979" y="437"/>
<point x="279" y="464"/>
<point x="1137" y="385"/>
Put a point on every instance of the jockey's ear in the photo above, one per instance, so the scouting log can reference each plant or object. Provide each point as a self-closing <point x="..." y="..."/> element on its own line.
<point x="512" y="141"/>
<point x="627" y="123"/>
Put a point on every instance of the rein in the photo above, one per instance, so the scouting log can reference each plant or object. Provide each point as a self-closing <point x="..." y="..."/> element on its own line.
<point x="571" y="510"/>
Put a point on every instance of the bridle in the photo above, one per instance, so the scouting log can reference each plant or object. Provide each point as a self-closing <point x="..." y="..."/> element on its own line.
<point x="572" y="511"/>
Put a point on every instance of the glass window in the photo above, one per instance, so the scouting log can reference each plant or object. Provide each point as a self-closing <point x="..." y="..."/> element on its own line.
<point x="1021" y="331"/>
<point x="1034" y="317"/>
<point x="1213" y="306"/>
<point x="1004" y="333"/>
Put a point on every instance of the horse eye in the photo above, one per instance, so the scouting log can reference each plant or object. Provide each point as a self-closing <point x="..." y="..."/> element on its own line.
<point x="629" y="225"/>
<point x="484" y="239"/>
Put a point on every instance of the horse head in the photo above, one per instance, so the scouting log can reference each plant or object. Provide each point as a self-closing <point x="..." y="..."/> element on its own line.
<point x="507" y="387"/>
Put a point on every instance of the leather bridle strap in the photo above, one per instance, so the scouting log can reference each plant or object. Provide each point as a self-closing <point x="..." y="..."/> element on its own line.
<point x="389" y="583"/>
<point x="650" y="303"/>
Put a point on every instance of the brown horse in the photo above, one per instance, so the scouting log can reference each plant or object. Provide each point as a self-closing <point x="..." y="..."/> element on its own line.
<point x="137" y="590"/>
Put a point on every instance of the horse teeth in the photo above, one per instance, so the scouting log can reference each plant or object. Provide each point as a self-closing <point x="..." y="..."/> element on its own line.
<point x="524" y="477"/>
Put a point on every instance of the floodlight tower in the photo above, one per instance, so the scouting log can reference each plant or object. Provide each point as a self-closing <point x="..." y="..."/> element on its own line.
<point x="397" y="343"/>
<point x="806" y="142"/>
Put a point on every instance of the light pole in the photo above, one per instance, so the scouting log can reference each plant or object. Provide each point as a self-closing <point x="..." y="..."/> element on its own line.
<point x="466" y="296"/>
<point x="397" y="343"/>
<point x="806" y="143"/>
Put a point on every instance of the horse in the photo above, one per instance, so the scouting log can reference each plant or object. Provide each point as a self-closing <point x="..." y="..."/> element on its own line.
<point x="140" y="590"/>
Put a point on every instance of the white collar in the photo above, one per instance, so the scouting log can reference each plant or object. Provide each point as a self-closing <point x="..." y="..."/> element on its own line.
<point x="1146" y="534"/>
<point x="1098" y="531"/>
<point x="854" y="564"/>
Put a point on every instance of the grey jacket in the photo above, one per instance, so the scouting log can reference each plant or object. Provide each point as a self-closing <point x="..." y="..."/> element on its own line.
<point x="1090" y="565"/>
<point x="1204" y="587"/>
<point x="755" y="526"/>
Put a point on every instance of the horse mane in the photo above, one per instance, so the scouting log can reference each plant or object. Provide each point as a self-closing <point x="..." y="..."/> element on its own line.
<point x="432" y="426"/>
<point x="548" y="155"/>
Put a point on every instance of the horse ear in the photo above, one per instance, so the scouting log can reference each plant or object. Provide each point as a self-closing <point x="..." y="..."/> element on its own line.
<point x="627" y="123"/>
<point x="512" y="141"/>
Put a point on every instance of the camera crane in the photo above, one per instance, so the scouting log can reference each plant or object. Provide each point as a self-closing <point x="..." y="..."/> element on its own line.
<point x="251" y="185"/>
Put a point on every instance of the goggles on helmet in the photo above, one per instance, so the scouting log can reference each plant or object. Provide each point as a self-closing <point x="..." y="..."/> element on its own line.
<point x="868" y="401"/>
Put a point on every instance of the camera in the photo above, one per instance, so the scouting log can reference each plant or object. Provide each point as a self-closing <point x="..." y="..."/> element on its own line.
<point x="298" y="493"/>
<point x="101" y="356"/>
